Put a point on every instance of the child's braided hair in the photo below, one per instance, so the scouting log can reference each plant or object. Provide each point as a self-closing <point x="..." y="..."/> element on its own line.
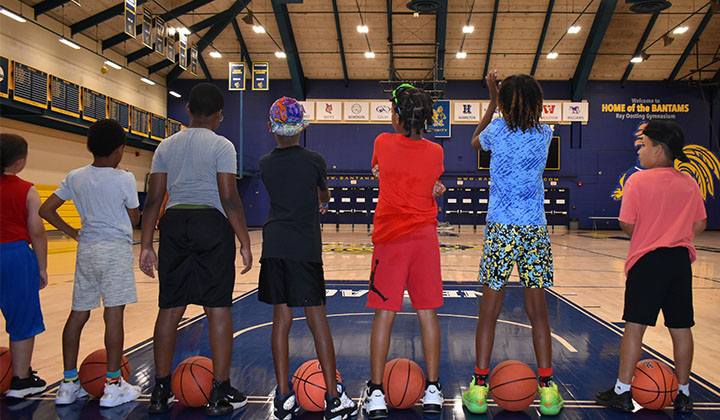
<point x="520" y="101"/>
<point x="414" y="106"/>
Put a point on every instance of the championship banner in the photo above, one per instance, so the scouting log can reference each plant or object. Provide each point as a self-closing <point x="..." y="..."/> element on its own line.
<point x="236" y="76"/>
<point x="170" y="50"/>
<point x="260" y="76"/>
<point x="4" y="77"/>
<point x="183" y="52"/>
<point x="159" y="36"/>
<point x="441" y="117"/>
<point x="129" y="17"/>
<point x="194" y="59"/>
<point x="147" y="27"/>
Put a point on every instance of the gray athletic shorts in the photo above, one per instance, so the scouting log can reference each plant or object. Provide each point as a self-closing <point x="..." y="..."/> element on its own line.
<point x="104" y="269"/>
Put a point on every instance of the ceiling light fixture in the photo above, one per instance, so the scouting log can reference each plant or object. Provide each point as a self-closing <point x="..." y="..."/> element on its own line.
<point x="667" y="40"/>
<point x="468" y="29"/>
<point x="416" y="14"/>
<point x="171" y="31"/>
<point x="175" y="94"/>
<point x="12" y="15"/>
<point x="215" y="54"/>
<point x="183" y="31"/>
<point x="680" y="30"/>
<point x="574" y="29"/>
<point x="637" y="59"/>
<point x="552" y="55"/>
<point x="69" y="44"/>
<point x="461" y="54"/>
<point x="280" y="54"/>
<point x="369" y="54"/>
<point x="113" y="64"/>
<point x="148" y="81"/>
<point x="249" y="18"/>
<point x="363" y="29"/>
<point x="258" y="29"/>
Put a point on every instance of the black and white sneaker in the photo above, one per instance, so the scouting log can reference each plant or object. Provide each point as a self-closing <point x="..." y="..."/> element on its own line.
<point x="373" y="403"/>
<point x="224" y="399"/>
<point x="683" y="404"/>
<point x="432" y="401"/>
<point x="621" y="402"/>
<point x="284" y="406"/>
<point x="21" y="388"/>
<point x="341" y="407"/>
<point x="161" y="399"/>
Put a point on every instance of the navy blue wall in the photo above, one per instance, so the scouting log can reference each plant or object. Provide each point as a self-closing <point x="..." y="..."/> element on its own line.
<point x="592" y="156"/>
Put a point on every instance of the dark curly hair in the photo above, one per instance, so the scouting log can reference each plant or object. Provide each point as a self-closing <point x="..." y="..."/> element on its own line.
<point x="520" y="101"/>
<point x="104" y="136"/>
<point x="415" y="108"/>
<point x="12" y="148"/>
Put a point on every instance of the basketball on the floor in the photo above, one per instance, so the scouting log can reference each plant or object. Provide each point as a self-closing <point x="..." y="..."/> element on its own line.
<point x="654" y="385"/>
<point x="513" y="385"/>
<point x="93" y="372"/>
<point x="192" y="381"/>
<point x="404" y="383"/>
<point x="309" y="385"/>
<point x="6" y="372"/>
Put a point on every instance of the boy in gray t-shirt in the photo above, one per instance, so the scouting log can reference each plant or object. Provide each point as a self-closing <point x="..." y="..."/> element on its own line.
<point x="107" y="201"/>
<point x="196" y="257"/>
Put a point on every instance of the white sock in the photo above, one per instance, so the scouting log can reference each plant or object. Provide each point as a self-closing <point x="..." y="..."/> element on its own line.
<point x="621" y="387"/>
<point x="685" y="389"/>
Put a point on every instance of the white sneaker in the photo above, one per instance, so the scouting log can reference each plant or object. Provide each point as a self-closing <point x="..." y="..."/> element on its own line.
<point x="432" y="401"/>
<point x="349" y="406"/>
<point x="119" y="393"/>
<point x="69" y="392"/>
<point x="374" y="404"/>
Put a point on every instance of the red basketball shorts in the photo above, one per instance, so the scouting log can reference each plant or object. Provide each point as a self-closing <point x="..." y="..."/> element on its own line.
<point x="410" y="262"/>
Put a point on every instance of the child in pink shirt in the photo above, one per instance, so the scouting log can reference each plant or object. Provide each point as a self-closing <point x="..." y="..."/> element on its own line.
<point x="662" y="210"/>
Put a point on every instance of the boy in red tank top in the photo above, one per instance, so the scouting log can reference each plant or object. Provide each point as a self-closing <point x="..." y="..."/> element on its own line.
<point x="23" y="271"/>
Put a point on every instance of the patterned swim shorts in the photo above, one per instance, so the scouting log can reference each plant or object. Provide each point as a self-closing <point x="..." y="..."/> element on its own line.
<point x="527" y="246"/>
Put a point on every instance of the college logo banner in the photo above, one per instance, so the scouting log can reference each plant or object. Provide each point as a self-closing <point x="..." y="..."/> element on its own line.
<point x="575" y="111"/>
<point x="329" y="111"/>
<point x="356" y="111"/>
<point x="441" y="117"/>
<point x="309" y="108"/>
<point x="552" y="111"/>
<point x="466" y="111"/>
<point x="380" y="111"/>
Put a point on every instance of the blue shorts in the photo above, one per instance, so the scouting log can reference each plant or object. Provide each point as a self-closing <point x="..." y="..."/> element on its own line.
<point x="20" y="291"/>
<point x="527" y="246"/>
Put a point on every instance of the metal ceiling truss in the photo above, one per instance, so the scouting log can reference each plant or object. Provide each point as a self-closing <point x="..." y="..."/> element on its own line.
<point x="340" y="42"/>
<point x="204" y="68"/>
<point x="592" y="45"/>
<point x="640" y="47"/>
<point x="46" y="6"/>
<point x="490" y="41"/>
<point x="282" y="17"/>
<point x="546" y="25"/>
<point x="691" y="44"/>
<point x="440" y="36"/>
<point x="210" y="36"/>
<point x="243" y="48"/>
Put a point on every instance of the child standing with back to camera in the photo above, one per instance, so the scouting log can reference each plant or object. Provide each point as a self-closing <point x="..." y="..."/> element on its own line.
<point x="516" y="230"/>
<point x="406" y="252"/>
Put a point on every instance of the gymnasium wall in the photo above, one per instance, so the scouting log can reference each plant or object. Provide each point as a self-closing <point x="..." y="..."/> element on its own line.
<point x="593" y="156"/>
<point x="52" y="154"/>
<point x="38" y="47"/>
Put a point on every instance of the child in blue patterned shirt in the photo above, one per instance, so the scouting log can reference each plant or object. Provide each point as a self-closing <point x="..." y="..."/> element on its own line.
<point x="516" y="229"/>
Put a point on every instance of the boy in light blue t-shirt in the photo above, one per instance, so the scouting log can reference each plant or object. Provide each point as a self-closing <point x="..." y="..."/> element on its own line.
<point x="107" y="201"/>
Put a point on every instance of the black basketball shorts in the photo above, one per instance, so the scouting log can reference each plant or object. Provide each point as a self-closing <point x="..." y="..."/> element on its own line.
<point x="196" y="258"/>
<point x="295" y="283"/>
<point x="660" y="279"/>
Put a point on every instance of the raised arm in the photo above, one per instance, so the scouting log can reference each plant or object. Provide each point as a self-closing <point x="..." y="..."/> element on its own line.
<point x="48" y="211"/>
<point x="38" y="238"/>
<point x="232" y="205"/>
<point x="493" y="89"/>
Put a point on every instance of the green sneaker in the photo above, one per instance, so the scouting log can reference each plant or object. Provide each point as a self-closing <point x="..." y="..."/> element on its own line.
<point x="475" y="398"/>
<point x="550" y="400"/>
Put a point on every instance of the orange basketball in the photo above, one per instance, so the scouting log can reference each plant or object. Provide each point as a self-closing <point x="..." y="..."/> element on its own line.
<point x="6" y="372"/>
<point x="93" y="372"/>
<point x="309" y="385"/>
<point x="192" y="381"/>
<point x="513" y="385"/>
<point x="654" y="385"/>
<point x="404" y="383"/>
